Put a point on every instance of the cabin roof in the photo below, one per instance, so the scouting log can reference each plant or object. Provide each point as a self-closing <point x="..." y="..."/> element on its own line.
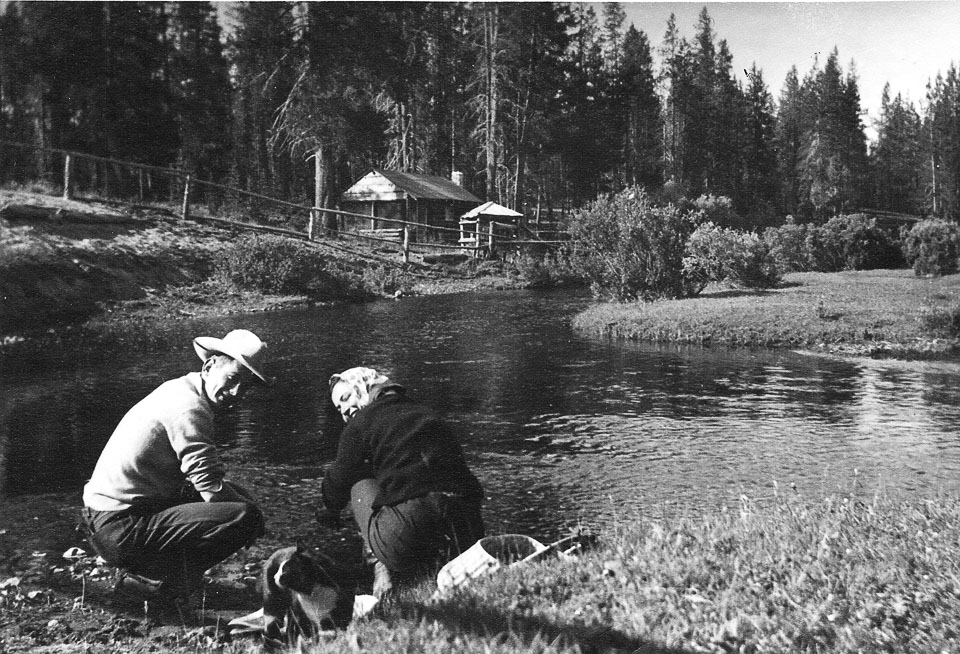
<point x="391" y="185"/>
<point x="491" y="209"/>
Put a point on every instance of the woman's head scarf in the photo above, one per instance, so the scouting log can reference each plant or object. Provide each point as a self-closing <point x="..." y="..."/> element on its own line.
<point x="355" y="388"/>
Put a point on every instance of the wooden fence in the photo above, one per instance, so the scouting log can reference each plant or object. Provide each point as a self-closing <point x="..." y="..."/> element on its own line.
<point x="79" y="175"/>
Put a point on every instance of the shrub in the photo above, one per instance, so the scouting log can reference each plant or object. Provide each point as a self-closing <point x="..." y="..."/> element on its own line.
<point x="932" y="247"/>
<point x="716" y="254"/>
<point x="860" y="243"/>
<point x="269" y="264"/>
<point x="274" y="264"/>
<point x="845" y="242"/>
<point x="824" y="251"/>
<point x="717" y="209"/>
<point x="550" y="270"/>
<point x="630" y="249"/>
<point x="382" y="279"/>
<point x="941" y="321"/>
<point x="787" y="246"/>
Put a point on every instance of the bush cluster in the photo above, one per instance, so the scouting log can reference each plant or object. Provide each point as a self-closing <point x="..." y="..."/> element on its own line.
<point x="629" y="248"/>
<point x="384" y="280"/>
<point x="788" y="246"/>
<point x="717" y="209"/>
<point x="551" y="270"/>
<point x="941" y="321"/>
<point x="856" y="242"/>
<point x="274" y="264"/>
<point x="932" y="247"/>
<point x="845" y="242"/>
<point x="723" y="254"/>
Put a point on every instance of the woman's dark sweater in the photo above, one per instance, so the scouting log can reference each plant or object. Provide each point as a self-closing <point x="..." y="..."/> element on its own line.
<point x="406" y="447"/>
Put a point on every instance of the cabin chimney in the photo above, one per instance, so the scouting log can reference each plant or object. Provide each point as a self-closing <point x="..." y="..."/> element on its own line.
<point x="457" y="178"/>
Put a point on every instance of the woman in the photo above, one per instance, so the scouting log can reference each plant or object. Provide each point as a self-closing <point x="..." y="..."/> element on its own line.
<point x="402" y="471"/>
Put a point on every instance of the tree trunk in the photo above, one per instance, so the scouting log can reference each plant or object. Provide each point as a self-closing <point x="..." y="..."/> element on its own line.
<point x="490" y="16"/>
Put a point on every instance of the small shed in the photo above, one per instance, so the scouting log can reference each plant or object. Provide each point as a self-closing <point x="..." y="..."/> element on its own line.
<point x="482" y="224"/>
<point x="387" y="195"/>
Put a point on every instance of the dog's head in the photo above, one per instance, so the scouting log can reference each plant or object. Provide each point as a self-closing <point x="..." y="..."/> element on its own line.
<point x="301" y="571"/>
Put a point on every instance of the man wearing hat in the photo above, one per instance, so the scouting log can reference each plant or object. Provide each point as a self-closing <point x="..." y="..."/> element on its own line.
<point x="157" y="504"/>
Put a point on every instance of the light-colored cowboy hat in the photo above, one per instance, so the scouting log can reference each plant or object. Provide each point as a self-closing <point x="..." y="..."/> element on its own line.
<point x="240" y="344"/>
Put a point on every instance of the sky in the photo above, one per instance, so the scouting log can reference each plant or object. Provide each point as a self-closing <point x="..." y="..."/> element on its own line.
<point x="903" y="42"/>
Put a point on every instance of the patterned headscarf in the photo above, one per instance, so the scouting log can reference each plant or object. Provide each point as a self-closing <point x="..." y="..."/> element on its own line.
<point x="355" y="388"/>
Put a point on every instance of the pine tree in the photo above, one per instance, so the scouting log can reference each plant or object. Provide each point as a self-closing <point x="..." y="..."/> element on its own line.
<point x="896" y="160"/>
<point x="537" y="40"/>
<point x="444" y="98"/>
<point x="788" y="142"/>
<point x="584" y="139"/>
<point x="201" y="91"/>
<point x="728" y="134"/>
<point x="263" y="53"/>
<point x="87" y="77"/>
<point x="488" y="90"/>
<point x="643" y="150"/>
<point x="329" y="115"/>
<point x="832" y="160"/>
<point x="62" y="50"/>
<point x="854" y="143"/>
<point x="701" y="142"/>
<point x="942" y="135"/>
<point x="15" y="106"/>
<point x="129" y="95"/>
<point x="676" y="79"/>
<point x="613" y="19"/>
<point x="760" y="181"/>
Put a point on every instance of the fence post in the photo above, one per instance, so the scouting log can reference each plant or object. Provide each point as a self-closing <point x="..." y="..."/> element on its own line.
<point x="140" y="180"/>
<point x="67" y="178"/>
<point x="406" y="243"/>
<point x="490" y="240"/>
<point x="476" y="239"/>
<point x="314" y="217"/>
<point x="185" y="213"/>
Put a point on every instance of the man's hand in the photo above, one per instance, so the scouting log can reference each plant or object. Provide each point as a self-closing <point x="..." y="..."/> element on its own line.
<point x="229" y="492"/>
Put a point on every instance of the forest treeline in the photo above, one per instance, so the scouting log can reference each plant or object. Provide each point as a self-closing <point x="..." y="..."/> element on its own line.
<point x="541" y="106"/>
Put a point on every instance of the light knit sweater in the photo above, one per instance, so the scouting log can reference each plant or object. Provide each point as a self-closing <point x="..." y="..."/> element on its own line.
<point x="165" y="440"/>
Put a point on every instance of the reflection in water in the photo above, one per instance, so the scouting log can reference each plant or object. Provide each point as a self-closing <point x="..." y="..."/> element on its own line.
<point x="560" y="427"/>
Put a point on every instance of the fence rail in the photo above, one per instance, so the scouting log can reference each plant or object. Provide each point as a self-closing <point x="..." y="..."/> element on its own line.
<point x="79" y="174"/>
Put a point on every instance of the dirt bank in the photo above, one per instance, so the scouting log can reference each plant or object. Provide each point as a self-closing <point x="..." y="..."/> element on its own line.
<point x="64" y="262"/>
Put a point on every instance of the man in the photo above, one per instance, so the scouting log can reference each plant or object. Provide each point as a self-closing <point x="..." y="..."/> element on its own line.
<point x="157" y="504"/>
<point x="402" y="471"/>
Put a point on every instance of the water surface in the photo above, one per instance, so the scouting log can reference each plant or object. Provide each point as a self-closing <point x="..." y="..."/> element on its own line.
<point x="560" y="427"/>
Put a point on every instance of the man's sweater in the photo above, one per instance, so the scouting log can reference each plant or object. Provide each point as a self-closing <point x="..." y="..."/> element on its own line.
<point x="165" y="440"/>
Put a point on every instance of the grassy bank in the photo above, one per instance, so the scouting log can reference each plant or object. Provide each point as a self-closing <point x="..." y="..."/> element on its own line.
<point x="833" y="576"/>
<point x="787" y="575"/>
<point x="873" y="313"/>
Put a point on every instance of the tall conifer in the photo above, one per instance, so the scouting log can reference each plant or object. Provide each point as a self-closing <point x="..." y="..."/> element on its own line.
<point x="201" y="90"/>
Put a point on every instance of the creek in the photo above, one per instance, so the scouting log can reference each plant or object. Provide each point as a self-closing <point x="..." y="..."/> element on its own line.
<point x="560" y="427"/>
